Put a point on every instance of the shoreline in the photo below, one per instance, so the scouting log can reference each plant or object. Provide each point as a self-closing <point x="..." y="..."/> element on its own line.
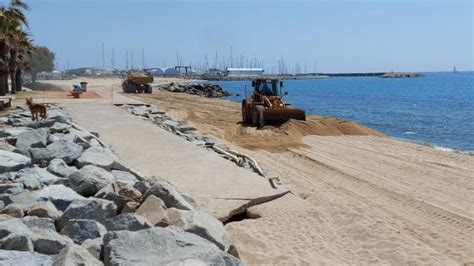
<point x="355" y="198"/>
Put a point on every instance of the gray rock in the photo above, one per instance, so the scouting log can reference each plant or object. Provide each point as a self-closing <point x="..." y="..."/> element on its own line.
<point x="67" y="151"/>
<point x="171" y="124"/>
<point x="36" y="138"/>
<point x="45" y="241"/>
<point x="201" y="224"/>
<point x="13" y="131"/>
<point x="57" y="116"/>
<point x="59" y="127"/>
<point x="159" y="246"/>
<point x="170" y="196"/>
<point x="141" y="110"/>
<point x="41" y="175"/>
<point x="142" y="186"/>
<point x="29" y="181"/>
<point x="81" y="229"/>
<point x="154" y="209"/>
<point x="39" y="223"/>
<point x="100" y="157"/>
<point x="17" y="242"/>
<point x="13" y="257"/>
<point x="127" y="221"/>
<point x="75" y="255"/>
<point x="89" y="180"/>
<point x="59" y="167"/>
<point x="56" y="138"/>
<point x="185" y="128"/>
<point x="124" y="177"/>
<point x="11" y="188"/>
<point x="44" y="209"/>
<point x="59" y="195"/>
<point x="10" y="161"/>
<point x="24" y="198"/>
<point x="94" y="246"/>
<point x="92" y="209"/>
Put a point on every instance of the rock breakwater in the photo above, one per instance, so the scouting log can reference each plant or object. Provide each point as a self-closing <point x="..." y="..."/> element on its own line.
<point x="201" y="89"/>
<point x="66" y="199"/>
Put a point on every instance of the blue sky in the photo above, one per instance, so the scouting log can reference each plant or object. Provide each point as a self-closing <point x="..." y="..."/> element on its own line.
<point x="341" y="36"/>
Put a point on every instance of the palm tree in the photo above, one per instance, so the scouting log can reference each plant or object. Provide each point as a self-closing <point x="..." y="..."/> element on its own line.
<point x="19" y="45"/>
<point x="12" y="40"/>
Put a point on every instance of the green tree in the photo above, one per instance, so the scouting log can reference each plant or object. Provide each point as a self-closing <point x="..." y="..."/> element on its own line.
<point x="14" y="43"/>
<point x="40" y="59"/>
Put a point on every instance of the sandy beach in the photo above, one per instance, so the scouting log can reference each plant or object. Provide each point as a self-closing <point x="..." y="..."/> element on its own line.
<point x="358" y="196"/>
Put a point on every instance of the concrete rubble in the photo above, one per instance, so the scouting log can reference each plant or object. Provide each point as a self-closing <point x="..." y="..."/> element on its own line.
<point x="65" y="199"/>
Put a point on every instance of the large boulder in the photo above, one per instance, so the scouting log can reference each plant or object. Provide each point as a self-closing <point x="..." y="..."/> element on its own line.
<point x="59" y="167"/>
<point x="76" y="255"/>
<point x="93" y="209"/>
<point x="201" y="224"/>
<point x="59" y="195"/>
<point x="94" y="246"/>
<point x="36" y="138"/>
<point x="13" y="257"/>
<point x="11" y="188"/>
<point x="97" y="156"/>
<point x="67" y="151"/>
<point x="124" y="177"/>
<point x="17" y="242"/>
<point x="39" y="222"/>
<point x="89" y="180"/>
<point x="81" y="229"/>
<point x="59" y="127"/>
<point x="10" y="161"/>
<point x="170" y="196"/>
<point x="159" y="246"/>
<point x="45" y="240"/>
<point x="127" y="221"/>
<point x="154" y="209"/>
<point x="35" y="174"/>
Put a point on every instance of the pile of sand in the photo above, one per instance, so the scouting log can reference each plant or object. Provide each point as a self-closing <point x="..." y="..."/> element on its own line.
<point x="222" y="118"/>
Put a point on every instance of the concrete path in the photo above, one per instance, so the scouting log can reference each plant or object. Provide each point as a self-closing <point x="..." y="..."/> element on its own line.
<point x="218" y="185"/>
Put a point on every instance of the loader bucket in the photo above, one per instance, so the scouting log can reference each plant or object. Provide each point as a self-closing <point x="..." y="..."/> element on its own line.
<point x="280" y="116"/>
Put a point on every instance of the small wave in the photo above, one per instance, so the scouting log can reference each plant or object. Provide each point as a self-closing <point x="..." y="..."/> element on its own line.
<point x="411" y="133"/>
<point x="439" y="148"/>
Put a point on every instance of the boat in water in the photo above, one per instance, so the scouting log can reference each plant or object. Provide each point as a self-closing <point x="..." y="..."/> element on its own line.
<point x="454" y="69"/>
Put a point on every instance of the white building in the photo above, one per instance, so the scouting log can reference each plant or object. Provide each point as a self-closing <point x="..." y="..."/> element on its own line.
<point x="244" y="72"/>
<point x="49" y="75"/>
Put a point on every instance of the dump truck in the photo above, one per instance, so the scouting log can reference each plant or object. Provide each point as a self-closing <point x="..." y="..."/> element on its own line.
<point x="266" y="105"/>
<point x="137" y="82"/>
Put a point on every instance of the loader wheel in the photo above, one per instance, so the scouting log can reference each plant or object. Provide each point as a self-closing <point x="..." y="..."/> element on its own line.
<point x="245" y="115"/>
<point x="257" y="117"/>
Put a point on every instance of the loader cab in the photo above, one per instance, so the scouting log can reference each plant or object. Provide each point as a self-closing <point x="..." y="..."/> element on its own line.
<point x="268" y="87"/>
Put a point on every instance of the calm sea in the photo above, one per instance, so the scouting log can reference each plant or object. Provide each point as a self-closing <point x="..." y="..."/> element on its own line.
<point x="436" y="109"/>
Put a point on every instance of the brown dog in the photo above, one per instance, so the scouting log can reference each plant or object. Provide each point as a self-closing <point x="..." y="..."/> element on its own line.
<point x="36" y="109"/>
